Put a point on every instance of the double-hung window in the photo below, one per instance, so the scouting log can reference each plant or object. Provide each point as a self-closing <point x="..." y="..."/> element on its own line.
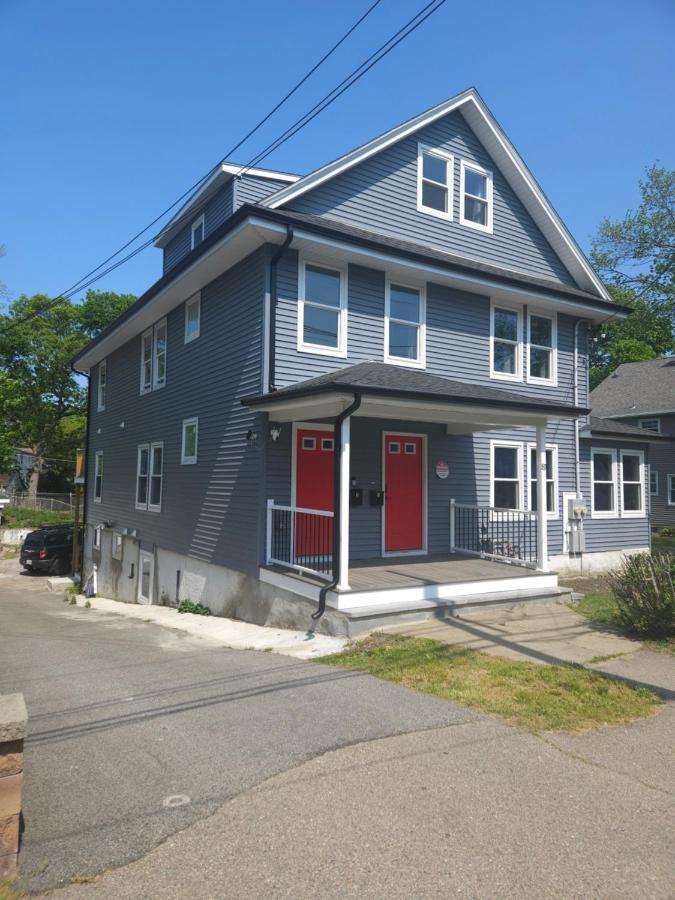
<point x="322" y="310"/>
<point x="188" y="454"/>
<point x="146" y="361"/>
<point x="102" y="381"/>
<point x="632" y="483"/>
<point x="404" y="325"/>
<point x="506" y="483"/>
<point x="670" y="490"/>
<point x="159" y="355"/>
<point x="475" y="202"/>
<point x="551" y="479"/>
<point x="98" y="477"/>
<point x="651" y="424"/>
<point x="506" y="343"/>
<point x="603" y="476"/>
<point x="192" y="318"/>
<point x="197" y="232"/>
<point x="542" y="338"/>
<point x="142" y="473"/>
<point x="434" y="182"/>
<point x="149" y="470"/>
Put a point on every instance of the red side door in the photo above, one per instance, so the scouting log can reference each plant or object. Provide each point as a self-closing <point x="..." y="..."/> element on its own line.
<point x="314" y="453"/>
<point x="404" y="493"/>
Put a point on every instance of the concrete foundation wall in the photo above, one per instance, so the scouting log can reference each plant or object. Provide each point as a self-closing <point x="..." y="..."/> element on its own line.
<point x="592" y="563"/>
<point x="14" y="535"/>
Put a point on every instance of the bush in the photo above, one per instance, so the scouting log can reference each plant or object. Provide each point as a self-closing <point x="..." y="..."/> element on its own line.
<point x="668" y="531"/>
<point x="644" y="588"/>
<point x="24" y="517"/>
<point x="187" y="606"/>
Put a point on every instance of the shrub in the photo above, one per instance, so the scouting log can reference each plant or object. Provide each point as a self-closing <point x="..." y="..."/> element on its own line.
<point x="668" y="531"/>
<point x="188" y="606"/>
<point x="644" y="587"/>
<point x="25" y="517"/>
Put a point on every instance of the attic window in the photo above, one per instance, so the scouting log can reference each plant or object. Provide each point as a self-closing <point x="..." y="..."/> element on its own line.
<point x="197" y="232"/>
<point x="434" y="182"/>
<point x="475" y="202"/>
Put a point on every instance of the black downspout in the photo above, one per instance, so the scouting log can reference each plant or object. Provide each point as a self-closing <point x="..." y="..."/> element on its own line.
<point x="273" y="305"/>
<point x="337" y="518"/>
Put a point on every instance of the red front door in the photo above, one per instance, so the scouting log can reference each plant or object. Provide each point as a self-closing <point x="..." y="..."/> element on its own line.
<point x="313" y="490"/>
<point x="403" y="493"/>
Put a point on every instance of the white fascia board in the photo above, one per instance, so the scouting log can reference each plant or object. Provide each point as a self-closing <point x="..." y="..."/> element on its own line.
<point x="234" y="169"/>
<point x="640" y="414"/>
<point x="505" y="156"/>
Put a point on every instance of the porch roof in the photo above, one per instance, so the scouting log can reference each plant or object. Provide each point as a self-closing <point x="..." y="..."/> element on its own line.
<point x="389" y="391"/>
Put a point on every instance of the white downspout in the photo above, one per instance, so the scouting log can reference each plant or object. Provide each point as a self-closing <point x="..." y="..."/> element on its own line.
<point x="577" y="461"/>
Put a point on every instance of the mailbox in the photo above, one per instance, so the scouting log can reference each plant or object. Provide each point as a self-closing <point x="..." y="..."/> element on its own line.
<point x="377" y="498"/>
<point x="356" y="496"/>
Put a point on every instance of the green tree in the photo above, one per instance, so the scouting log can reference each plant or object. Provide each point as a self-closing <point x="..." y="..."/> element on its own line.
<point x="636" y="258"/>
<point x="42" y="401"/>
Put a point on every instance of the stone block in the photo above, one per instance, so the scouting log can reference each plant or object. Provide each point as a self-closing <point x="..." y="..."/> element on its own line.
<point x="10" y="795"/>
<point x="9" y="835"/>
<point x="13" y="717"/>
<point x="11" y="758"/>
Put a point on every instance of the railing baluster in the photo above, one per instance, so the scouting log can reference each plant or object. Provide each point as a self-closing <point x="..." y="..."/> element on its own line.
<point x="509" y="535"/>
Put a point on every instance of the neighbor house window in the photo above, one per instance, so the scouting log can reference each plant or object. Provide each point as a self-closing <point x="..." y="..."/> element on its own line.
<point x="551" y="479"/>
<point x="197" y="232"/>
<point x="192" y="317"/>
<point x="189" y="442"/>
<point x="603" y="476"/>
<point x="434" y="182"/>
<point x="159" y="355"/>
<point x="322" y="313"/>
<point x="506" y="343"/>
<point x="156" y="465"/>
<point x="146" y="361"/>
<point x="142" y="473"/>
<point x="670" y="490"/>
<point x="542" y="335"/>
<point x="653" y="424"/>
<point x="653" y="482"/>
<point x="506" y="484"/>
<point x="98" y="476"/>
<point x="632" y="493"/>
<point x="475" y="201"/>
<point x="404" y="325"/>
<point x="102" y="379"/>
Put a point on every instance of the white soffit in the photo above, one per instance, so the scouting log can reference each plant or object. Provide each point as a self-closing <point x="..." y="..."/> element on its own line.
<point x="502" y="152"/>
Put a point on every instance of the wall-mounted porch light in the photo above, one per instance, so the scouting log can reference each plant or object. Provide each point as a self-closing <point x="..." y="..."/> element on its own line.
<point x="275" y="432"/>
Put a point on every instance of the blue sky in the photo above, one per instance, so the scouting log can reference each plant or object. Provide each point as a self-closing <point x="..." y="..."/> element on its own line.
<point x="110" y="111"/>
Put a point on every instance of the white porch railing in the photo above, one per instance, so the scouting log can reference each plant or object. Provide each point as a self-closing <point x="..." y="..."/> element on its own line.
<point x="300" y="538"/>
<point x="507" y="535"/>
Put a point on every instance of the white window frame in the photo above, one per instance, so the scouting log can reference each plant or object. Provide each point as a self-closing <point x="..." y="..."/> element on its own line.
<point x="98" y="476"/>
<point x="195" y="225"/>
<point x="633" y="513"/>
<point x="155" y="507"/>
<point x="102" y="385"/>
<point x="605" y="513"/>
<point x="670" y="489"/>
<point x="305" y="346"/>
<point x="657" y="430"/>
<point x="421" y="361"/>
<point x="449" y="186"/>
<point x="487" y="174"/>
<point x="532" y="476"/>
<point x="517" y="445"/>
<point x="140" y="448"/>
<point x="553" y="318"/>
<point x="187" y="423"/>
<point x="195" y="300"/>
<point x="653" y="473"/>
<point x="156" y="383"/>
<point x="507" y="376"/>
<point x="146" y="387"/>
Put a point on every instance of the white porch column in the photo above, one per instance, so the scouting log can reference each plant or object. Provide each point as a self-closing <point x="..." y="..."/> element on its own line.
<point x="343" y="583"/>
<point x="542" y="537"/>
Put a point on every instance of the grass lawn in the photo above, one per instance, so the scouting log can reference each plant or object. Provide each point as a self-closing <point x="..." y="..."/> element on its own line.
<point x="22" y="517"/>
<point x="601" y="607"/>
<point x="536" y="697"/>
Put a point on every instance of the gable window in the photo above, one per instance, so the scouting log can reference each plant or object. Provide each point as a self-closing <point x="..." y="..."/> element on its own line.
<point x="542" y="339"/>
<point x="551" y="479"/>
<point x="146" y="361"/>
<point x="603" y="476"/>
<point x="142" y="471"/>
<point x="652" y="424"/>
<point x="653" y="482"/>
<point x="404" y="325"/>
<point x="102" y="380"/>
<point x="322" y="313"/>
<point x="192" y="318"/>
<point x="506" y="482"/>
<point x="189" y="442"/>
<point x="632" y="493"/>
<point x="98" y="477"/>
<point x="670" y="490"/>
<point x="159" y="355"/>
<point x="475" y="201"/>
<point x="434" y="182"/>
<point x="506" y="343"/>
<point x="197" y="232"/>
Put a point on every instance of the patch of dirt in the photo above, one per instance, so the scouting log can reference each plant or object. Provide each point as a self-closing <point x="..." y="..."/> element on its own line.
<point x="591" y="584"/>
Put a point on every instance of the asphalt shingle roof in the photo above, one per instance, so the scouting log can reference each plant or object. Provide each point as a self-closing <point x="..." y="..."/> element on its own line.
<point x="635" y="388"/>
<point x="613" y="428"/>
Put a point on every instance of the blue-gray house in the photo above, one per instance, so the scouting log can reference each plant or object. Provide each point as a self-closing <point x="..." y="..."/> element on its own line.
<point x="366" y="387"/>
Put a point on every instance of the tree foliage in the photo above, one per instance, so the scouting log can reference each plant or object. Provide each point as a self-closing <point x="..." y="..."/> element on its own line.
<point x="636" y="258"/>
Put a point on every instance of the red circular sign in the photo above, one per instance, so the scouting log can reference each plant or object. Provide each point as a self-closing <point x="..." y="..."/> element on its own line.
<point x="442" y="469"/>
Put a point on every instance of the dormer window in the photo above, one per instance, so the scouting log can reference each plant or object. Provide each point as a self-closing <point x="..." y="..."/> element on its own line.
<point x="434" y="182"/>
<point x="475" y="207"/>
<point x="197" y="232"/>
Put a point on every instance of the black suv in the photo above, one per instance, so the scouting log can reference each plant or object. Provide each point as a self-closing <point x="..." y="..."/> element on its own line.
<point x="50" y="549"/>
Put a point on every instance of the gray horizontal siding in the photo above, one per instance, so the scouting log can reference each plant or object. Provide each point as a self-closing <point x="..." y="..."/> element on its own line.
<point x="380" y="194"/>
<point x="210" y="510"/>
<point x="251" y="188"/>
<point x="218" y="208"/>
